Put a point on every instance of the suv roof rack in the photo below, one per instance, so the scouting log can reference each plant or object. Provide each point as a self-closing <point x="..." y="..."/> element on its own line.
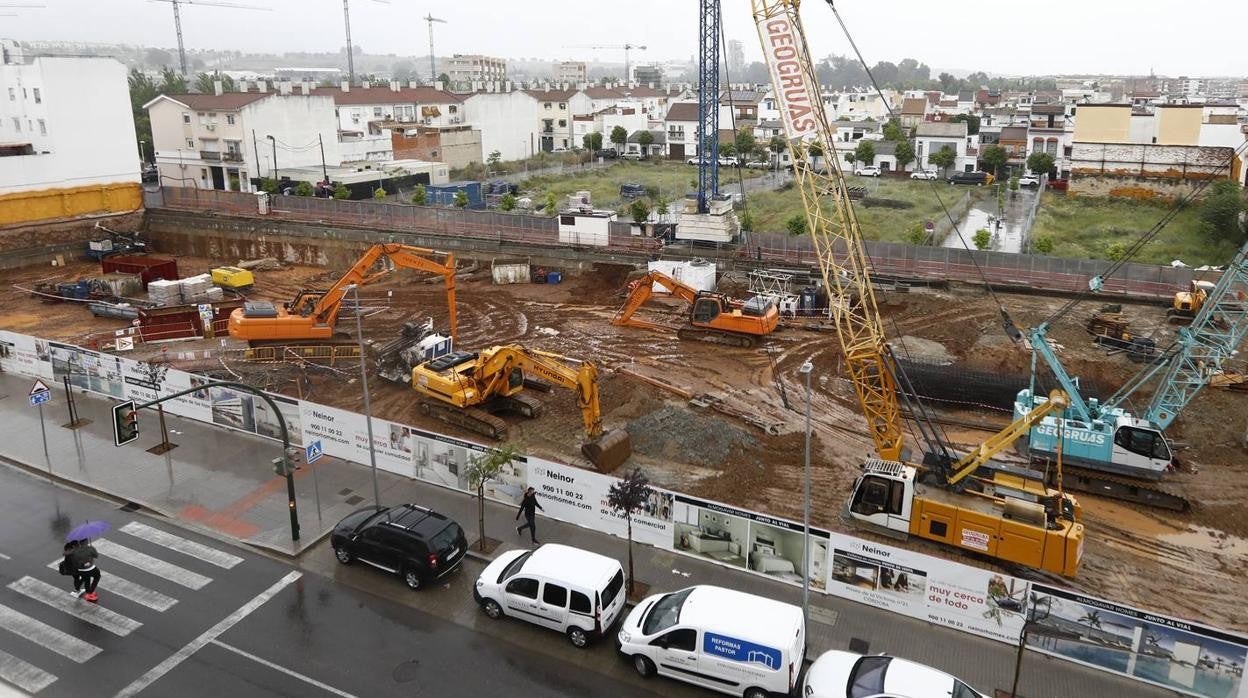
<point x="408" y="516"/>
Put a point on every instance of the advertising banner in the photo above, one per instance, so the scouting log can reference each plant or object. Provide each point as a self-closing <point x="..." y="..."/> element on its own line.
<point x="26" y="355"/>
<point x="1176" y="654"/>
<point x="580" y="497"/>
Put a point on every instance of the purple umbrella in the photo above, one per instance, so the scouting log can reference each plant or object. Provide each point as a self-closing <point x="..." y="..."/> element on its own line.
<point x="90" y="529"/>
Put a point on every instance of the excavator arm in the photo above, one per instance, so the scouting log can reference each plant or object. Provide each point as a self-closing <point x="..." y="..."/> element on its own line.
<point x="643" y="291"/>
<point x="552" y="368"/>
<point x="971" y="462"/>
<point x="398" y="255"/>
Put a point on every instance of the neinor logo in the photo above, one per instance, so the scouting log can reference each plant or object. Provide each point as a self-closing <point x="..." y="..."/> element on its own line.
<point x="783" y="55"/>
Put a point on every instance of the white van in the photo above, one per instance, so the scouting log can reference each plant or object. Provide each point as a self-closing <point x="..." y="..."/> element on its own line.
<point x="721" y="639"/>
<point x="574" y="591"/>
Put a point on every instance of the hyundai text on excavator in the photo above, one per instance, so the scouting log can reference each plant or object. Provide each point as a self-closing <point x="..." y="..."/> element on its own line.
<point x="713" y="317"/>
<point x="467" y="388"/>
<point x="312" y="315"/>
<point x="999" y="515"/>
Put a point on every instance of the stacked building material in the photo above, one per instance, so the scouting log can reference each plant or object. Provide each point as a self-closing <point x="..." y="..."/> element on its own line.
<point x="165" y="293"/>
<point x="195" y="288"/>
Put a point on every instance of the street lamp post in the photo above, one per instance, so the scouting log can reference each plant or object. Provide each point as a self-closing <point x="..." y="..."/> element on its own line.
<point x="142" y="151"/>
<point x="274" y="142"/>
<point x="805" y="370"/>
<point x="368" y="408"/>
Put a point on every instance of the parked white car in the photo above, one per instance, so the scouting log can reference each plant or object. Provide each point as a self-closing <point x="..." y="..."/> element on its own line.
<point x="867" y="171"/>
<point x="924" y="174"/>
<point x="574" y="591"/>
<point x="1029" y="180"/>
<point x="758" y="165"/>
<point x="694" y="161"/>
<point x="632" y="156"/>
<point x="837" y="674"/>
<point x="729" y="161"/>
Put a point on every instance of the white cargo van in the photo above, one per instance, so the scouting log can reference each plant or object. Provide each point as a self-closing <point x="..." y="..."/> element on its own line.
<point x="574" y="591"/>
<point x="725" y="640"/>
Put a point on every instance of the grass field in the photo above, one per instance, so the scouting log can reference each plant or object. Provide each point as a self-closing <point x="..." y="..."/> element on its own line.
<point x="771" y="209"/>
<point x="1096" y="228"/>
<point x="672" y="179"/>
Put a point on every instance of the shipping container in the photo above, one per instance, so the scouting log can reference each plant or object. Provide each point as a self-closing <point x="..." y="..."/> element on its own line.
<point x="444" y="194"/>
<point x="698" y="274"/>
<point x="510" y="271"/>
<point x="148" y="267"/>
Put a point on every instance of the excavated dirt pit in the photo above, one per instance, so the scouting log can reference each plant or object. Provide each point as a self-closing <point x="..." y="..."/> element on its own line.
<point x="1134" y="554"/>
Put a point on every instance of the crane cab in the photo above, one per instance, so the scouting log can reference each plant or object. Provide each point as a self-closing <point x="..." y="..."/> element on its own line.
<point x="882" y="497"/>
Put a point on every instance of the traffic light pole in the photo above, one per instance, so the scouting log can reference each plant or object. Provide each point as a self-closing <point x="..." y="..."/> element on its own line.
<point x="289" y="470"/>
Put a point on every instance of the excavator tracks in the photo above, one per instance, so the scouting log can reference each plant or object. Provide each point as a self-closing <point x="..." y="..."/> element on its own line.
<point x="1122" y="488"/>
<point x="731" y="339"/>
<point x="473" y="419"/>
<point x="520" y="403"/>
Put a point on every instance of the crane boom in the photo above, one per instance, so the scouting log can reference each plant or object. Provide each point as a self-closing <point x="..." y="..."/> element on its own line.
<point x="832" y="233"/>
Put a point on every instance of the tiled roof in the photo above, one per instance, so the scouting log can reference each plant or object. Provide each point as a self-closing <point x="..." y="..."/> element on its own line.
<point x="385" y="95"/>
<point x="1014" y="133"/>
<point x="660" y="137"/>
<point x="914" y="105"/>
<point x="226" y="101"/>
<point x="551" y="95"/>
<point x="603" y="93"/>
<point x="683" y="111"/>
<point x="942" y="129"/>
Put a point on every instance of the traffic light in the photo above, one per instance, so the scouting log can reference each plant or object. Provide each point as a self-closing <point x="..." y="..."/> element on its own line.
<point x="286" y="464"/>
<point x="125" y="423"/>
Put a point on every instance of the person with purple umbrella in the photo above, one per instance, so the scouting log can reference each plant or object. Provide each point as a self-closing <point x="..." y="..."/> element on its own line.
<point x="82" y="557"/>
<point x="68" y="569"/>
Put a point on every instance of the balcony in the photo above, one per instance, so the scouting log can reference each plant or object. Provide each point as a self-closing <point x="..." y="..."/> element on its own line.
<point x="232" y="156"/>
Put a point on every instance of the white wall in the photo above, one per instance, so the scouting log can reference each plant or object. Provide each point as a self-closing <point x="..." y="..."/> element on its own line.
<point x="508" y="122"/>
<point x="85" y="105"/>
<point x="295" y="122"/>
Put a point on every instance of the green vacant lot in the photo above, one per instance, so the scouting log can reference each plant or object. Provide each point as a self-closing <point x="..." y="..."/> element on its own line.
<point x="1099" y="228"/>
<point x="672" y="179"/>
<point x="771" y="209"/>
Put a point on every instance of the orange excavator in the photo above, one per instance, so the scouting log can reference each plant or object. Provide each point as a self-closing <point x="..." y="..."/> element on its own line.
<point x="313" y="314"/>
<point x="713" y="317"/>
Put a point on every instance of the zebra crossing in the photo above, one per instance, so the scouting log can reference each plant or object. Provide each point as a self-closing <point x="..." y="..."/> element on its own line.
<point x="45" y="601"/>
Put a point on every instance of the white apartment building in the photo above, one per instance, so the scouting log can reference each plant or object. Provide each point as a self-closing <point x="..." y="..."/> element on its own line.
<point x="363" y="112"/>
<point x="67" y="141"/>
<point x="571" y="71"/>
<point x="630" y="118"/>
<point x="554" y="115"/>
<point x="469" y="68"/>
<point x="228" y="140"/>
<point x="508" y="121"/>
<point x="682" y="130"/>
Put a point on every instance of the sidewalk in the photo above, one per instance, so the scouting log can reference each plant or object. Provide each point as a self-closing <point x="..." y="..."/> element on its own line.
<point x="223" y="481"/>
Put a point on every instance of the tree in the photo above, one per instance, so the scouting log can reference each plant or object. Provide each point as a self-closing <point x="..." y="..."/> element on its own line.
<point x="639" y="210"/>
<point x="508" y="202"/>
<point x="815" y="150"/>
<point x="445" y="80"/>
<point x="268" y="184"/>
<point x="777" y="145"/>
<point x="1043" y="244"/>
<point x="661" y="208"/>
<point x="592" y="141"/>
<point x="379" y="194"/>
<point x="1040" y="163"/>
<point x="972" y="122"/>
<point x="1220" y="211"/>
<point x="303" y="189"/>
<point x="341" y="192"/>
<point x="727" y="150"/>
<point x="796" y="224"/>
<point x="626" y="498"/>
<point x="619" y="136"/>
<point x="904" y="154"/>
<point x="865" y="152"/>
<point x="943" y="158"/>
<point x="204" y="82"/>
<point x="482" y="469"/>
<point x="550" y="206"/>
<point x="171" y="81"/>
<point x="645" y="139"/>
<point x="995" y="157"/>
<point x="420" y="195"/>
<point x="745" y="141"/>
<point x="461" y="199"/>
<point x="1013" y="184"/>
<point x="1092" y="619"/>
<point x="982" y="239"/>
<point x="893" y="131"/>
<point x="747" y="221"/>
<point x="493" y="159"/>
<point x="917" y="234"/>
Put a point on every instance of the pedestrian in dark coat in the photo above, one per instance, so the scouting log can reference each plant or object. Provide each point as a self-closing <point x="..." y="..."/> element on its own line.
<point x="83" y="560"/>
<point x="528" y="507"/>
<point x="68" y="568"/>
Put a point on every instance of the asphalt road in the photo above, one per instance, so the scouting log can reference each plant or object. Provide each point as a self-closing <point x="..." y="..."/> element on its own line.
<point x="187" y="615"/>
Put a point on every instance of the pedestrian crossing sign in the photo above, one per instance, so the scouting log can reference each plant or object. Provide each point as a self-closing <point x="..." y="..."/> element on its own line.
<point x="313" y="451"/>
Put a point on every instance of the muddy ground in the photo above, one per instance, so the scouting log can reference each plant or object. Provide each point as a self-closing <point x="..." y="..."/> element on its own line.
<point x="1189" y="565"/>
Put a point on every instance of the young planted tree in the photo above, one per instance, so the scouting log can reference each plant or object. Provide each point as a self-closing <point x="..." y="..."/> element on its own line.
<point x="995" y="157"/>
<point x="592" y="141"/>
<point x="645" y="139"/>
<point x="619" y="136"/>
<point x="626" y="498"/>
<point x="493" y="159"/>
<point x="745" y="142"/>
<point x="944" y="159"/>
<point x="904" y="154"/>
<point x="796" y="224"/>
<point x="865" y="152"/>
<point x="777" y="145"/>
<point x="815" y="150"/>
<point x="1040" y="163"/>
<point x="982" y="239"/>
<point x="482" y="469"/>
<point x="461" y="199"/>
<point x="639" y="210"/>
<point x="303" y="189"/>
<point x="379" y="194"/>
<point x="550" y="207"/>
<point x="420" y="195"/>
<point x="340" y="191"/>
<point x="508" y="202"/>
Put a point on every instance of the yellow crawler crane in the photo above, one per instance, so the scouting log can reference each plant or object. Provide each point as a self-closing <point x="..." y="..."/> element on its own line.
<point x="1001" y="516"/>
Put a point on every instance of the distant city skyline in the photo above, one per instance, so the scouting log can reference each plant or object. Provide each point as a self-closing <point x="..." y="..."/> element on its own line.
<point x="1104" y="37"/>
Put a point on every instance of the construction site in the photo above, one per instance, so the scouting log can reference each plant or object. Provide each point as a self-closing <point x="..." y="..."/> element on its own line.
<point x="727" y="422"/>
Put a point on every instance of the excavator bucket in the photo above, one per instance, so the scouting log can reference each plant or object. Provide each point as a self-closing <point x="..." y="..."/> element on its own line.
<point x="608" y="451"/>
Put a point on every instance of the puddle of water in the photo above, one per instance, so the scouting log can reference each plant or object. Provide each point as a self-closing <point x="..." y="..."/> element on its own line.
<point x="1209" y="540"/>
<point x="1007" y="233"/>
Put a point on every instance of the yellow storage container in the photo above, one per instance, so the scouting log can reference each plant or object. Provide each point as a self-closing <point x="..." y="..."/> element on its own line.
<point x="233" y="277"/>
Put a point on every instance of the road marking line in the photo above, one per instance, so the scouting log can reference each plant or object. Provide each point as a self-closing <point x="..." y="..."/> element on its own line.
<point x="25" y="676"/>
<point x="152" y="565"/>
<point x="127" y="589"/>
<point x="46" y="636"/>
<point x="155" y="673"/>
<point x="56" y="597"/>
<point x="179" y="544"/>
<point x="289" y="672"/>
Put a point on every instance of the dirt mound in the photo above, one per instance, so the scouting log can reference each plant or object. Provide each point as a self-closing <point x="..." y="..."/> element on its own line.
<point x="679" y="434"/>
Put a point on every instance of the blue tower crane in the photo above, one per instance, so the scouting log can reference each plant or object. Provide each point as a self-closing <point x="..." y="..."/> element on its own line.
<point x="708" y="103"/>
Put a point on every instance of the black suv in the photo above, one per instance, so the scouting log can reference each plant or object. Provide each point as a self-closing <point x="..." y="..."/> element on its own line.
<point x="418" y="544"/>
<point x="976" y="178"/>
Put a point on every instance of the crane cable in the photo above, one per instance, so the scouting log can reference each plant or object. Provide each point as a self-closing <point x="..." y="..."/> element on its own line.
<point x="732" y="113"/>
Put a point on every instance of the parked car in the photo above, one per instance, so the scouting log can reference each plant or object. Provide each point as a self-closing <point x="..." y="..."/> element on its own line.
<point x="574" y="591"/>
<point x="867" y="171"/>
<point x="758" y="165"/>
<point x="149" y="174"/>
<point x="696" y="161"/>
<point x="729" y="161"/>
<point x="924" y="174"/>
<point x="739" y="643"/>
<point x="609" y="153"/>
<point x="632" y="156"/>
<point x="1029" y="180"/>
<point x="849" y="675"/>
<point x="418" y="544"/>
<point x="632" y="190"/>
<point x="976" y="178"/>
<point x="559" y="150"/>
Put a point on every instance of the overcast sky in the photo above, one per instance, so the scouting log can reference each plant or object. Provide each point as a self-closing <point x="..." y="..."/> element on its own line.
<point x="1195" y="37"/>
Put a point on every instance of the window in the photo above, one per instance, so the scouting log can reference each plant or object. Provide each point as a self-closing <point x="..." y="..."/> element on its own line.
<point x="229" y="119"/>
<point x="12" y="95"/>
<point x="938" y="529"/>
<point x="554" y="595"/>
<point x="563" y="123"/>
<point x="665" y="612"/>
<point x="43" y="128"/>
<point x="38" y="97"/>
<point x="580" y="603"/>
<point x="453" y="109"/>
<point x="523" y="586"/>
<point x="563" y="105"/>
<point x="1144" y="442"/>
<point x="961" y="690"/>
<point x="546" y="105"/>
<point x="376" y="112"/>
<point x="186" y="117"/>
<point x="190" y="144"/>
<point x="867" y="676"/>
<point x="17" y="124"/>
<point x="684" y="639"/>
<point x="613" y="588"/>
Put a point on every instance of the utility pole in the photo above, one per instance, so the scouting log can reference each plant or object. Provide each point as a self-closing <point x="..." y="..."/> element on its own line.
<point x="321" y="141"/>
<point x="433" y="71"/>
<point x="274" y="142"/>
<point x="346" y="17"/>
